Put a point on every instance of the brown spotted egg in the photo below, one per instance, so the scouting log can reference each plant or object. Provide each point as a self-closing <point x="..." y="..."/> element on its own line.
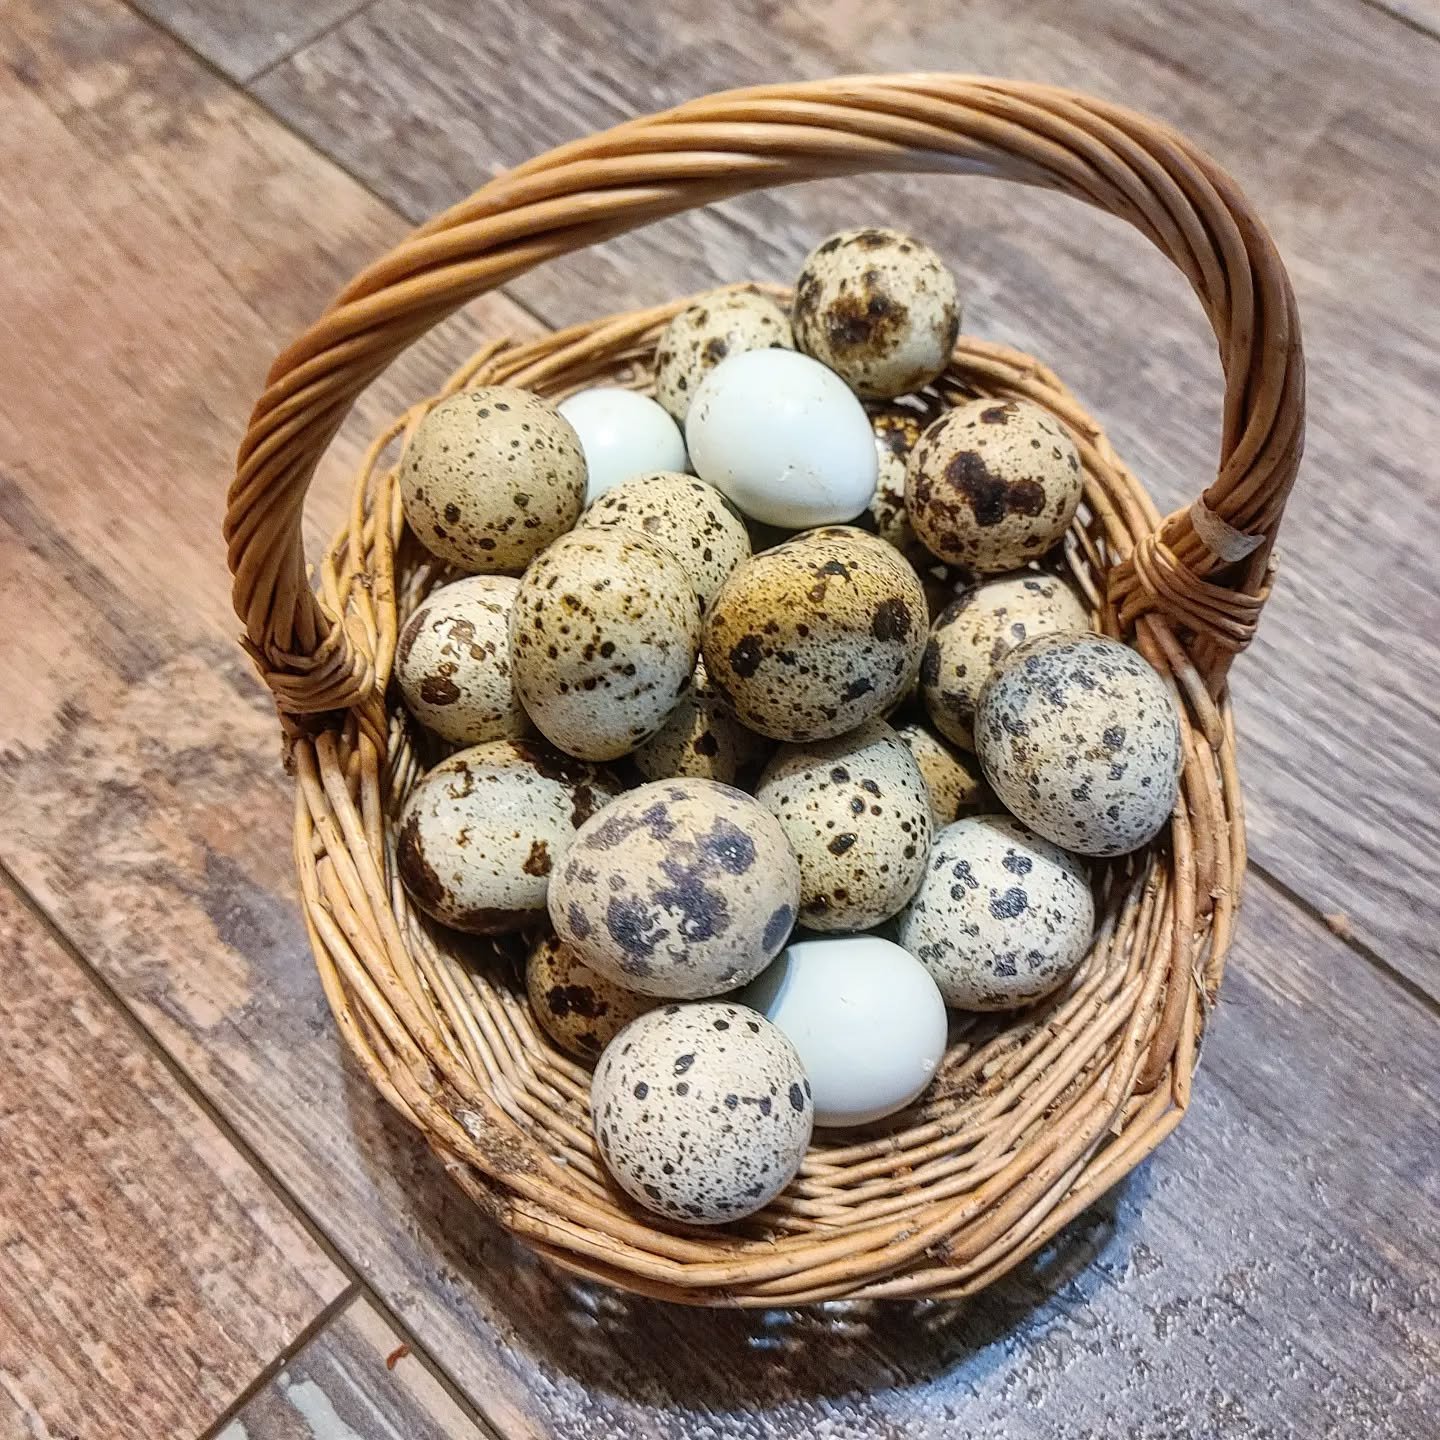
<point x="683" y="514"/>
<point x="604" y="634"/>
<point x="702" y="1112"/>
<point x="879" y="308"/>
<point x="578" y="1009"/>
<point x="482" y="831"/>
<point x="702" y="739"/>
<point x="857" y="815"/>
<point x="977" y="630"/>
<point x="953" y="781"/>
<point x="727" y="322"/>
<point x="452" y="662"/>
<point x="1079" y="736"/>
<point x="993" y="484"/>
<point x="1001" y="917"/>
<point x="897" y="430"/>
<point x="680" y="888"/>
<point x="490" y="477"/>
<point x="816" y="636"/>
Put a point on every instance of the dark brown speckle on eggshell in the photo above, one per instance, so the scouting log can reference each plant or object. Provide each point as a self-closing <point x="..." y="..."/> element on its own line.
<point x="726" y="322"/>
<point x="578" y="1009"/>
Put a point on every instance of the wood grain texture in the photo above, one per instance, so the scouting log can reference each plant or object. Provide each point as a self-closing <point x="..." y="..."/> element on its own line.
<point x="146" y="1269"/>
<point x="1423" y="15"/>
<point x="355" y="1380"/>
<point x="1322" y="109"/>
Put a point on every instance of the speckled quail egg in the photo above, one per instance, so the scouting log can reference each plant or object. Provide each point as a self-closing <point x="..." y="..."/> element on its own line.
<point x="879" y="308"/>
<point x="490" y="477"/>
<point x="1002" y="916"/>
<point x="481" y="832"/>
<point x="816" y="636"/>
<point x="701" y="739"/>
<point x="683" y="514"/>
<point x="897" y="428"/>
<point x="857" y="814"/>
<point x="977" y="630"/>
<point x="681" y="888"/>
<point x="1079" y="736"/>
<point x="452" y="662"/>
<point x="992" y="484"/>
<point x="954" y="781"/>
<point x="726" y="322"/>
<point x="578" y="1009"/>
<point x="702" y="1112"/>
<point x="623" y="434"/>
<point x="604" y="633"/>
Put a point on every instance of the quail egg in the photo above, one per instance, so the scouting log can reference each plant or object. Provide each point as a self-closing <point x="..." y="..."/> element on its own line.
<point x="816" y="636"/>
<point x="1079" y="736"/>
<point x="578" y="1009"/>
<point x="1002" y="916"/>
<point x="490" y="477"/>
<point x="897" y="429"/>
<point x="681" y="888"/>
<point x="623" y="434"/>
<point x="954" y="781"/>
<point x="702" y="1112"/>
<point x="857" y="815"/>
<point x="993" y="484"/>
<point x="701" y="739"/>
<point x="726" y="322"/>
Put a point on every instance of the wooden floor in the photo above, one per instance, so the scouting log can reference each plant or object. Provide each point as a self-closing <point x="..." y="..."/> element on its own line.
<point x="209" y="1225"/>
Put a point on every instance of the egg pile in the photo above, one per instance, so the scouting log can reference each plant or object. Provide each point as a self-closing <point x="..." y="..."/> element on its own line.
<point x="770" y="720"/>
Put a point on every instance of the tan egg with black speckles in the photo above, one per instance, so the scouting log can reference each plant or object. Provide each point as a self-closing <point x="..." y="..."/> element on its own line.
<point x="683" y="514"/>
<point x="482" y="831"/>
<point x="879" y="308"/>
<point x="816" y="636"/>
<point x="857" y="814"/>
<point x="490" y="477"/>
<point x="725" y="322"/>
<point x="578" y="1009"/>
<point x="993" y="484"/>
<point x="604" y="634"/>
<point x="701" y="739"/>
<point x="978" y="629"/>
<point x="953" y="780"/>
<point x="897" y="430"/>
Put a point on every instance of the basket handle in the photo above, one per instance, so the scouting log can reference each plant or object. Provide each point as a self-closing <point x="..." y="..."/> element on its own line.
<point x="1204" y="567"/>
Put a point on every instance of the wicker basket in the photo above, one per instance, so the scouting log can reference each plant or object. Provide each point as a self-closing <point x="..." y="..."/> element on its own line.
<point x="1033" y="1116"/>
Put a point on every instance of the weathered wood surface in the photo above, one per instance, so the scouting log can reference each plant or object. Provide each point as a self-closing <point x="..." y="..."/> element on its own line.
<point x="1323" y="109"/>
<point x="146" y="1269"/>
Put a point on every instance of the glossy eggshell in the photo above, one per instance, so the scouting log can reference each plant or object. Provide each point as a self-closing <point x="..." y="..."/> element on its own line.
<point x="623" y="434"/>
<point x="701" y="739"/>
<point x="865" y="1017"/>
<point x="578" y="1009"/>
<point x="490" y="477"/>
<point x="1079" y="736"/>
<point x="953" y="780"/>
<point x="702" y="1112"/>
<point x="816" y="636"/>
<point x="1002" y="916"/>
<point x="727" y="322"/>
<point x="482" y="831"/>
<point x="681" y="888"/>
<point x="604" y="633"/>
<point x="857" y="814"/>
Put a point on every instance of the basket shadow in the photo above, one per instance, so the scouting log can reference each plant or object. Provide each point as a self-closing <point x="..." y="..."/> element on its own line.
<point x="651" y="1353"/>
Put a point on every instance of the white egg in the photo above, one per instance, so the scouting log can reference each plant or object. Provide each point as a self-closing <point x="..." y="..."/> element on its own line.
<point x="865" y="1017"/>
<point x="783" y="437"/>
<point x="623" y="434"/>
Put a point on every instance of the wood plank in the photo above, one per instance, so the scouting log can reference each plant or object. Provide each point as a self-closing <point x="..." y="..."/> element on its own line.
<point x="1324" y="111"/>
<point x="147" y="1270"/>
<point x="355" y="1380"/>
<point x="1423" y="15"/>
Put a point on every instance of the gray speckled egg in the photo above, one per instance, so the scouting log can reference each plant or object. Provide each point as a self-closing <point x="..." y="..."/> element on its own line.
<point x="682" y="888"/>
<point x="481" y="832"/>
<point x="701" y="739"/>
<point x="954" y="781"/>
<point x="578" y="1009"/>
<point x="603" y="638"/>
<point x="978" y="629"/>
<point x="879" y="308"/>
<point x="992" y="484"/>
<point x="816" y="636"/>
<point x="727" y="322"/>
<point x="452" y="662"/>
<point x="1078" y="736"/>
<point x="683" y="514"/>
<point x="1001" y="917"/>
<point x="702" y="1112"/>
<point x="490" y="477"/>
<point x="857" y="815"/>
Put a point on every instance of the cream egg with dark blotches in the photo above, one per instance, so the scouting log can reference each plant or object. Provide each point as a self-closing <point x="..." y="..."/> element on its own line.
<point x="723" y="323"/>
<point x="952" y="779"/>
<point x="701" y="739"/>
<point x="897" y="428"/>
<point x="580" y="1010"/>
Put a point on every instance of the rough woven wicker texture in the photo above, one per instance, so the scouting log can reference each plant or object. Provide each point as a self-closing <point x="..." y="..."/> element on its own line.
<point x="1032" y="1117"/>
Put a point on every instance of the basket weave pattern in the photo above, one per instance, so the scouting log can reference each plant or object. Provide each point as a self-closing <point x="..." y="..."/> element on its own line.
<point x="1033" y="1115"/>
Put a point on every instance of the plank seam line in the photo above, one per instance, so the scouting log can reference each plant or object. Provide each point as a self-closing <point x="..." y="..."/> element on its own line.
<point x="1410" y="22"/>
<point x="244" y="82"/>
